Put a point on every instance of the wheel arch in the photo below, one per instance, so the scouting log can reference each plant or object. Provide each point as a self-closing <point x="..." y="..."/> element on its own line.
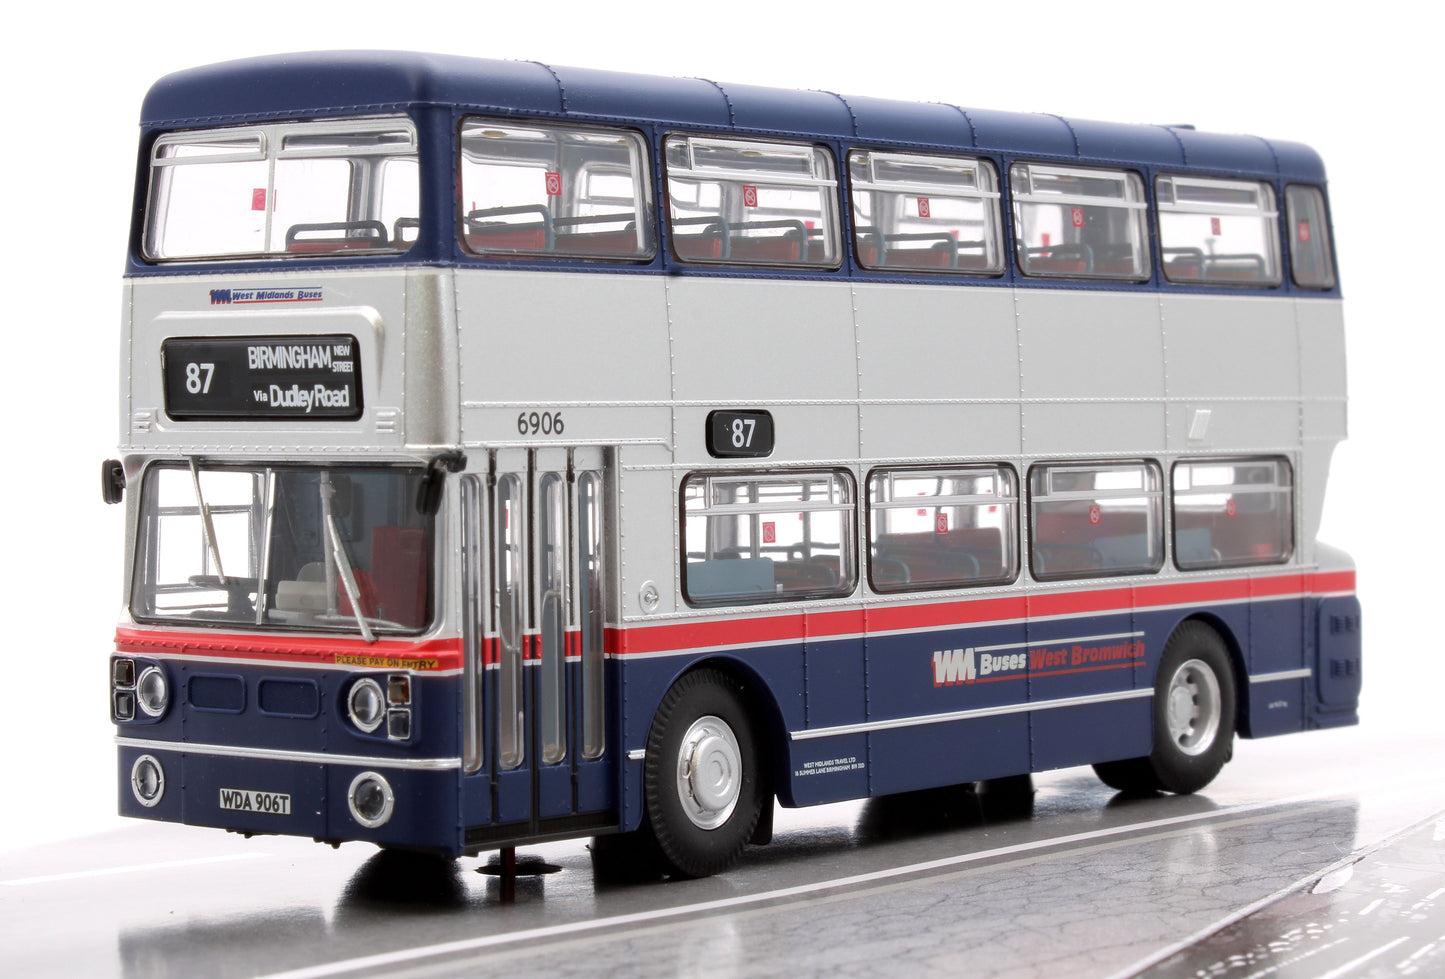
<point x="763" y="709"/>
<point x="1237" y="663"/>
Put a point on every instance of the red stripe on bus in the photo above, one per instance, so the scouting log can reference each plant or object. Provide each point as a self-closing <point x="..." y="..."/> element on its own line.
<point x="789" y="627"/>
<point x="428" y="655"/>
<point x="796" y="627"/>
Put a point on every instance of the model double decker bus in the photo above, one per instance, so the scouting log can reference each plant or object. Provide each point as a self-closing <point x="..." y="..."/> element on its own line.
<point x="514" y="453"/>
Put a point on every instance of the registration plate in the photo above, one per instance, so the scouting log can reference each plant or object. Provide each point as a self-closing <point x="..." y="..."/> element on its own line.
<point x="249" y="800"/>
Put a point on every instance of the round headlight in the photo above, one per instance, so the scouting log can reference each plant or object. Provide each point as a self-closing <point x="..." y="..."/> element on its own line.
<point x="151" y="691"/>
<point x="147" y="780"/>
<point x="371" y="799"/>
<point x="366" y="704"/>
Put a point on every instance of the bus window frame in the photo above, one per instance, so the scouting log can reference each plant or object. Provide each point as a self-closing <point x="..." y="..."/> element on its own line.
<point x="847" y="585"/>
<point x="272" y="148"/>
<point x="1287" y="491"/>
<point x="1270" y="221"/>
<point x="1013" y="538"/>
<point x="1157" y="501"/>
<point x="142" y="543"/>
<point x="832" y="195"/>
<point x="648" y="206"/>
<point x="1130" y="177"/>
<point x="1328" y="231"/>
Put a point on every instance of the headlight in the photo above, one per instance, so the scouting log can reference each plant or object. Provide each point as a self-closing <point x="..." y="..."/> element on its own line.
<point x="366" y="704"/>
<point x="151" y="691"/>
<point x="371" y="799"/>
<point x="147" y="780"/>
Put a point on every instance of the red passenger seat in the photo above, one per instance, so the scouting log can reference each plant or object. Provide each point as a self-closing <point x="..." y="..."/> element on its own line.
<point x="506" y="238"/>
<point x="1039" y="265"/>
<point x="398" y="568"/>
<point x="764" y="251"/>
<point x="622" y="244"/>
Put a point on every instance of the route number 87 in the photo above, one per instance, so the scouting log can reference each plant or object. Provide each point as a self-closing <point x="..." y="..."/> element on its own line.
<point x="194" y="381"/>
<point x="739" y="434"/>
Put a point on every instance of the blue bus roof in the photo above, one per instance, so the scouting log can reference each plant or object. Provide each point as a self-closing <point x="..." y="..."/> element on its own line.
<point x="331" y="83"/>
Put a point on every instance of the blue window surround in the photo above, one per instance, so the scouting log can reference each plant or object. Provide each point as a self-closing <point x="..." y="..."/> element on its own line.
<point x="438" y="91"/>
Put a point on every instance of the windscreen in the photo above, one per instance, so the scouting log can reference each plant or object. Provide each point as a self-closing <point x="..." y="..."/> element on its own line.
<point x="341" y="548"/>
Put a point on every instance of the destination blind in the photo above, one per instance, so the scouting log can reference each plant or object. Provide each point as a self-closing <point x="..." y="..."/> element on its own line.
<point x="262" y="378"/>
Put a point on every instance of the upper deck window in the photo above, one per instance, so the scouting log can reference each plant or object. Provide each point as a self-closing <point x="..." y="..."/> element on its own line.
<point x="539" y="190"/>
<point x="749" y="202"/>
<point x="1217" y="231"/>
<point x="317" y="188"/>
<point x="931" y="213"/>
<point x="1310" y="261"/>
<point x="1079" y="223"/>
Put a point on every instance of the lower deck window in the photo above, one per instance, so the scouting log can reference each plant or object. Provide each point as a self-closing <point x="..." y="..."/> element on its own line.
<point x="1088" y="520"/>
<point x="942" y="528"/>
<point x="754" y="538"/>
<point x="1231" y="513"/>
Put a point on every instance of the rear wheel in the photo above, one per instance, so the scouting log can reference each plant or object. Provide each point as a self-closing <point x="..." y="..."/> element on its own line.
<point x="702" y="780"/>
<point x="1193" y="718"/>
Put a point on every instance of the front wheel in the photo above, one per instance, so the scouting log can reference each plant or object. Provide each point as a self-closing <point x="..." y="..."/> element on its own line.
<point x="1193" y="718"/>
<point x="703" y="780"/>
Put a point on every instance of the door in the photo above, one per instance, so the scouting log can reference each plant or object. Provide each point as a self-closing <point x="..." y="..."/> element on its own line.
<point x="546" y="677"/>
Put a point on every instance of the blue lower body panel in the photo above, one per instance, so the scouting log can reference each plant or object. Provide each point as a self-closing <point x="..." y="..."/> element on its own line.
<point x="264" y="796"/>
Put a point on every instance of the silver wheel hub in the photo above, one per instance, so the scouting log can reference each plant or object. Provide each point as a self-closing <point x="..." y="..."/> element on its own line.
<point x="1194" y="707"/>
<point x="709" y="772"/>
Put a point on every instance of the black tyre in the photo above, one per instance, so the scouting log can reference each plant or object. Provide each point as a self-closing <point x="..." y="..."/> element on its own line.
<point x="1194" y="710"/>
<point x="702" y="780"/>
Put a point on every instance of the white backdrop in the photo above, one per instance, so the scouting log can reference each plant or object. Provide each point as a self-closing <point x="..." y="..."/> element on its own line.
<point x="1362" y="89"/>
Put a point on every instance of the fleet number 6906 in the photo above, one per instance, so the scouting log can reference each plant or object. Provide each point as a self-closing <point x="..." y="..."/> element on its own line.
<point x="539" y="423"/>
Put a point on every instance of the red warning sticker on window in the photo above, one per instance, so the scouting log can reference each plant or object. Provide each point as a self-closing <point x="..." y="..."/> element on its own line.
<point x="1077" y="214"/>
<point x="770" y="532"/>
<point x="1229" y="508"/>
<point x="923" y="208"/>
<point x="258" y="199"/>
<point x="554" y="184"/>
<point x="750" y="195"/>
<point x="1303" y="231"/>
<point x="1214" y="227"/>
<point x="1095" y="515"/>
<point x="940" y="524"/>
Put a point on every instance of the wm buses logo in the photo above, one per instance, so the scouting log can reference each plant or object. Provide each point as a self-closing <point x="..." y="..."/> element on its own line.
<point x="952" y="666"/>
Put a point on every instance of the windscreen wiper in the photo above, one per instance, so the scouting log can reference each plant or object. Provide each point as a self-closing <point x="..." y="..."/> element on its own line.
<point x="207" y="529"/>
